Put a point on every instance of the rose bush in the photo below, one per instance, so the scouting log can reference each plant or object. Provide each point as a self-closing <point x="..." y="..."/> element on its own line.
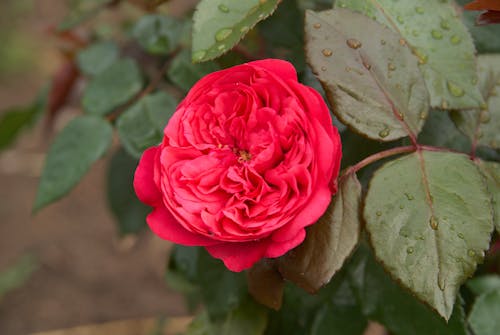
<point x="248" y="160"/>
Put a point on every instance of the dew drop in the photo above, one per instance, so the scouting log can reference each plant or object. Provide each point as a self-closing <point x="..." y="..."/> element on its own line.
<point x="484" y="116"/>
<point x="222" y="34"/>
<point x="419" y="10"/>
<point x="223" y="8"/>
<point x="444" y="104"/>
<point x="460" y="236"/>
<point x="327" y="52"/>
<point x="391" y="67"/>
<point x="445" y="24"/>
<point x="422" y="115"/>
<point x="455" y="39"/>
<point x="402" y="41"/>
<point x="382" y="42"/>
<point x="199" y="55"/>
<point x="436" y="34"/>
<point x="454" y="89"/>
<point x="384" y="132"/>
<point x="378" y="213"/>
<point x="221" y="47"/>
<point x="353" y="43"/>
<point x="323" y="68"/>
<point x="409" y="196"/>
<point x="244" y="29"/>
<point x="401" y="206"/>
<point x="409" y="250"/>
<point x="342" y="5"/>
<point x="471" y="253"/>
<point x="422" y="57"/>
<point x="366" y="65"/>
<point x="317" y="25"/>
<point x="261" y="16"/>
<point x="400" y="19"/>
<point x="434" y="222"/>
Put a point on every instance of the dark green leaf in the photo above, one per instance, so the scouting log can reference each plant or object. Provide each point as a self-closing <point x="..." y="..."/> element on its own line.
<point x="247" y="319"/>
<point x="158" y="34"/>
<point x="430" y="219"/>
<point x="484" y="284"/>
<point x="83" y="141"/>
<point x="16" y="275"/>
<point x="436" y="35"/>
<point x="97" y="57"/>
<point x="129" y="212"/>
<point x="372" y="81"/>
<point x="484" y="316"/>
<point x="491" y="172"/>
<point x="184" y="74"/>
<point x="141" y="125"/>
<point x="386" y="302"/>
<point x="220" y="24"/>
<point x="265" y="284"/>
<point x="202" y="325"/>
<point x="328" y="242"/>
<point x="482" y="125"/>
<point x="113" y="87"/>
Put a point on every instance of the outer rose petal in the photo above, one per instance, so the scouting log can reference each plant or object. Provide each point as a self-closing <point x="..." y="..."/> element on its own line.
<point x="281" y="68"/>
<point x="239" y="256"/>
<point x="163" y="224"/>
<point x="144" y="184"/>
<point x="483" y="5"/>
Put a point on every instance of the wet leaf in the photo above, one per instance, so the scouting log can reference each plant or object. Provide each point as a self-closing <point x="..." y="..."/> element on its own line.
<point x="220" y="24"/>
<point x="328" y="242"/>
<point x="372" y="81"/>
<point x="436" y="35"/>
<point x="430" y="218"/>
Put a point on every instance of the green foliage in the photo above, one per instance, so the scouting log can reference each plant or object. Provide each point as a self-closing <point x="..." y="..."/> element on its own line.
<point x="328" y="242"/>
<point x="371" y="80"/>
<point x="483" y="317"/>
<point x="184" y="74"/>
<point x="112" y="87"/>
<point x="220" y="24"/>
<point x="82" y="10"/>
<point x="129" y="212"/>
<point x="141" y="125"/>
<point x="82" y="142"/>
<point x="484" y="284"/>
<point x="16" y="275"/>
<point x="429" y="216"/>
<point x="435" y="35"/>
<point x="491" y="172"/>
<point x="97" y="57"/>
<point x="158" y="34"/>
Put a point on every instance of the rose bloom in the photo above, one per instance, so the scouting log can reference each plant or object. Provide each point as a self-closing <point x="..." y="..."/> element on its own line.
<point x="248" y="160"/>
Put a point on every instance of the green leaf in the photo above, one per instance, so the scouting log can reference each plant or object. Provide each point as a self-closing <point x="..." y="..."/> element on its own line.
<point x="202" y="325"/>
<point x="328" y="242"/>
<point x="113" y="87"/>
<point x="247" y="319"/>
<point x="129" y="212"/>
<point x="141" y="125"/>
<point x="97" y="57"/>
<point x="481" y="125"/>
<point x="386" y="302"/>
<point x="158" y="34"/>
<point x="184" y="74"/>
<point x="83" y="11"/>
<point x="483" y="317"/>
<point x="372" y="81"/>
<point x="16" y="275"/>
<point x="491" y="172"/>
<point x="82" y="142"/>
<point x="220" y="24"/>
<point x="485" y="37"/>
<point x="484" y="284"/>
<point x="265" y="284"/>
<point x="439" y="39"/>
<point x="429" y="216"/>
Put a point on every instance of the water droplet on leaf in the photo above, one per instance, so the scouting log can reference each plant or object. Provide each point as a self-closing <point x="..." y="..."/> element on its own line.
<point x="327" y="52"/>
<point x="199" y="55"/>
<point x="436" y="34"/>
<point x="434" y="222"/>
<point x="445" y="24"/>
<point x="455" y="39"/>
<point x="223" y="8"/>
<point x="353" y="43"/>
<point x="384" y="132"/>
<point x="460" y="236"/>
<point x="317" y="25"/>
<point x="409" y="250"/>
<point x="454" y="89"/>
<point x="409" y="196"/>
<point x="222" y="34"/>
<point x="400" y="19"/>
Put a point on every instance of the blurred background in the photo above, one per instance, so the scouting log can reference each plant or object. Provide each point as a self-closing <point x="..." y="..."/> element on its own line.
<point x="66" y="265"/>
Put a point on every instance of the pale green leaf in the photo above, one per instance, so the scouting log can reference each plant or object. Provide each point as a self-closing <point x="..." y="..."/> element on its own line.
<point x="97" y="57"/>
<point x="439" y="39"/>
<point x="484" y="317"/>
<point x="482" y="125"/>
<point x="328" y="242"/>
<point x="372" y="81"/>
<point x="430" y="218"/>
<point x="82" y="142"/>
<point x="220" y="24"/>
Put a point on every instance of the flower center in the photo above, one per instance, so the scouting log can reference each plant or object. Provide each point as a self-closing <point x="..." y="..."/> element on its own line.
<point x="244" y="156"/>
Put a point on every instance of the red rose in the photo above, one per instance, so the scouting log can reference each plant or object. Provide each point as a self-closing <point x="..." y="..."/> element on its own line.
<point x="249" y="158"/>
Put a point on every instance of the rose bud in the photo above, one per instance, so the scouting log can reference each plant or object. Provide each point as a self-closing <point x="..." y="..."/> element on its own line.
<point x="248" y="160"/>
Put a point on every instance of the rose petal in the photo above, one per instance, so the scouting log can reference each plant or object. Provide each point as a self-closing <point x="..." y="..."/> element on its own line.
<point x="239" y="256"/>
<point x="281" y="68"/>
<point x="144" y="184"/>
<point x="163" y="224"/>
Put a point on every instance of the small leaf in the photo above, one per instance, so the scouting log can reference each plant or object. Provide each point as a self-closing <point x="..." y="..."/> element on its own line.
<point x="113" y="87"/>
<point x="129" y="212"/>
<point x="484" y="284"/>
<point x="82" y="142"/>
<point x="265" y="284"/>
<point x="491" y="171"/>
<point x="386" y="302"/>
<point x="435" y="34"/>
<point x="184" y="74"/>
<point x="158" y="34"/>
<point x="141" y="125"/>
<point x="371" y="79"/>
<point x="220" y="24"/>
<point x="247" y="319"/>
<point x="16" y="275"/>
<point x="328" y="242"/>
<point x="202" y="325"/>
<point x="481" y="125"/>
<point x="483" y="317"/>
<point x="429" y="216"/>
<point x="97" y="57"/>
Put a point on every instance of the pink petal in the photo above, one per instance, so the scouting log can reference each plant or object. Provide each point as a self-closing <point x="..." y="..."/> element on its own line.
<point x="280" y="68"/>
<point x="163" y="224"/>
<point x="144" y="184"/>
<point x="239" y="256"/>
